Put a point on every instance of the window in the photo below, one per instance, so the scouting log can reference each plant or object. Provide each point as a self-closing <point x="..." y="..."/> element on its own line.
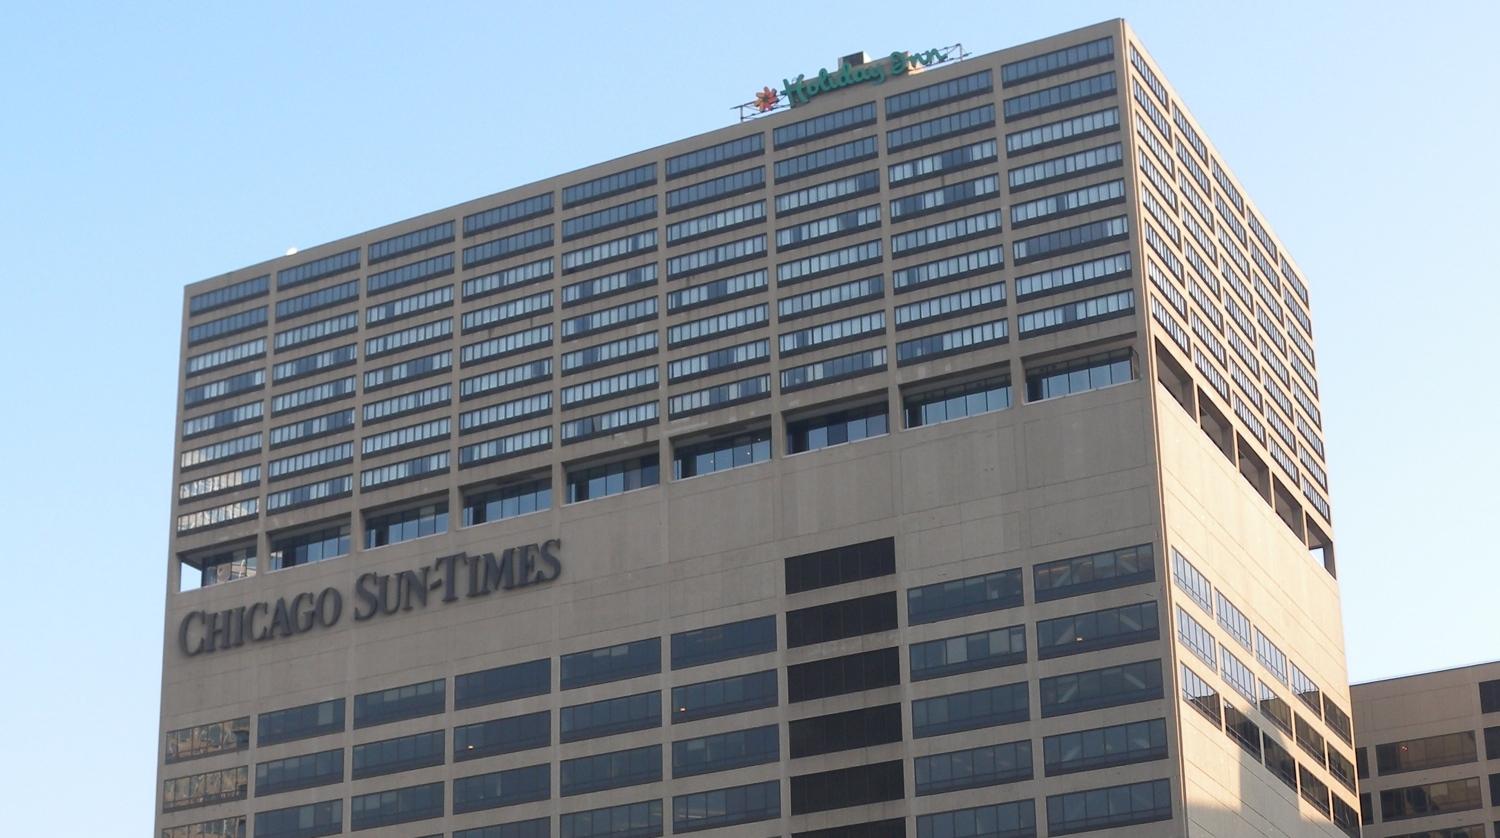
<point x="1069" y="239"/>
<point x="254" y="318"/>
<point x="611" y="663"/>
<point x="824" y="159"/>
<point x="231" y="827"/>
<point x="1310" y="740"/>
<point x="1093" y="630"/>
<point x="1275" y="708"/>
<point x="592" y="482"/>
<point x="835" y="428"/>
<point x="861" y="728"/>
<point x="630" y="820"/>
<point x="951" y="160"/>
<point x="971" y="710"/>
<point x="207" y="740"/>
<point x="1105" y="747"/>
<point x="608" y="318"/>
<point x="733" y="357"/>
<point x="224" y="388"/>
<point x="1060" y="96"/>
<point x="1197" y="638"/>
<point x="534" y="828"/>
<point x="1016" y="819"/>
<point x="1097" y="572"/>
<point x="828" y="227"/>
<point x="510" y="213"/>
<point x="1057" y="61"/>
<point x="795" y="133"/>
<point x="1111" y="807"/>
<point x="497" y="504"/>
<point x="1069" y="377"/>
<point x="309" y="546"/>
<point x="299" y="772"/>
<point x="245" y="289"/>
<point x="950" y="305"/>
<point x="960" y="122"/>
<point x="310" y="493"/>
<point x="717" y="290"/>
<point x="1236" y="673"/>
<point x="968" y="653"/>
<point x="738" y="320"/>
<point x="307" y="821"/>
<point x="1427" y="752"/>
<point x="506" y="246"/>
<point x="390" y="756"/>
<point x="341" y="324"/>
<point x="514" y="309"/>
<point x="503" y="683"/>
<point x="840" y="565"/>
<point x="317" y="394"/>
<point x="726" y="751"/>
<point x="832" y="261"/>
<point x="1198" y="693"/>
<point x="1271" y="657"/>
<point x="218" y="515"/>
<point x="609" y="716"/>
<point x="1280" y="763"/>
<point x="1092" y="689"/>
<point x="302" y="722"/>
<point x="502" y="736"/>
<point x="609" y="251"/>
<point x="1341" y="768"/>
<point x="1067" y="203"/>
<point x="1431" y="799"/>
<point x="1232" y="619"/>
<point x="726" y="807"/>
<point x="945" y="233"/>
<point x="835" y="369"/>
<point x="721" y="697"/>
<point x="933" y="95"/>
<point x="226" y="450"/>
<point x="1092" y="310"/>
<point x="505" y="413"/>
<point x="612" y="184"/>
<point x="408" y="702"/>
<point x="961" y="597"/>
<point x="1491" y="743"/>
<point x="1305" y="689"/>
<point x="945" y="197"/>
<point x="860" y="785"/>
<point x="723" y="642"/>
<point x="718" y="256"/>
<point x="500" y="448"/>
<point x="720" y="454"/>
<point x="503" y="379"/>
<point x="412" y="803"/>
<point x="613" y="770"/>
<point x="1245" y="733"/>
<point x="1063" y="131"/>
<point x="842" y="675"/>
<point x="716" y="155"/>
<point x="220" y="566"/>
<point x="826" y="193"/>
<point x="502" y="280"/>
<point x="1066" y="166"/>
<point x="833" y="296"/>
<point x="502" y="788"/>
<point x="227" y="356"/>
<point x="609" y="284"/>
<point x="715" y="189"/>
<point x="318" y="268"/>
<point x="205" y="789"/>
<point x="721" y="396"/>
<point x="990" y="765"/>
<point x="838" y="620"/>
<point x="406" y="524"/>
<point x="608" y="219"/>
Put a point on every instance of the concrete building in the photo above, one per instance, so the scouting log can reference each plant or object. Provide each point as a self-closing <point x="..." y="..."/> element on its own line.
<point x="1429" y="753"/>
<point x="940" y="456"/>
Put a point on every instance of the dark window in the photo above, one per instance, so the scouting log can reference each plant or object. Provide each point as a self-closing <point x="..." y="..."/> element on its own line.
<point x="1314" y="791"/>
<point x="824" y="159"/>
<point x="503" y="736"/>
<point x="204" y="789"/>
<point x="1016" y="819"/>
<point x="961" y="597"/>
<point x="318" y="268"/>
<point x="207" y="740"/>
<point x="229" y="294"/>
<point x="1362" y="763"/>
<point x="614" y="184"/>
<point x="1311" y="741"/>
<point x="1347" y="820"/>
<point x="973" y="768"/>
<point x="1079" y="375"/>
<point x="950" y="125"/>
<point x="837" y="620"/>
<point x="1106" y="808"/>
<point x="502" y="788"/>
<point x="1245" y="733"/>
<point x="1105" y="747"/>
<point x="315" y="300"/>
<point x="1280" y="762"/>
<point x="715" y="189"/>
<point x="1005" y="704"/>
<point x="1340" y="767"/>
<point x="1057" y="61"/>
<point x="504" y="214"/>
<point x="1198" y="693"/>
<point x="383" y="808"/>
<point x="725" y="452"/>
<point x="724" y="751"/>
<point x="608" y="219"/>
<point x="1431" y="799"/>
<point x="1069" y="239"/>
<point x="229" y="325"/>
<point x="404" y="753"/>
<point x="860" y="785"/>
<point x="1060" y="96"/>
<point x="721" y="697"/>
<point x="846" y="674"/>
<point x="424" y="699"/>
<point x="1489" y="696"/>
<point x="411" y="242"/>
<point x="1427" y="752"/>
<point x="716" y="155"/>
<point x="1093" y="630"/>
<point x="1338" y="721"/>
<point x="1491" y="747"/>
<point x="968" y="653"/>
<point x="1098" y="572"/>
<point x="406" y="524"/>
<point x="502" y="683"/>
<point x="726" y="807"/>
<point x="1275" y="708"/>
<point x="507" y="502"/>
<point x="300" y="722"/>
<point x="840" y="426"/>
<point x="933" y="95"/>
<point x="862" y="728"/>
<point x="299" y="772"/>
<point x="1366" y="810"/>
<point x="516" y="243"/>
<point x="534" y="828"/>
<point x="424" y="269"/>
<point x="930" y="407"/>
<point x="840" y="565"/>
<point x="309" y="821"/>
<point x="610" y="716"/>
<point x="1305" y="689"/>
<point x="611" y="663"/>
<point x="588" y="483"/>
<point x="1110" y="686"/>
<point x="820" y="126"/>
<point x="612" y="770"/>
<point x="893" y="828"/>
<point x="724" y="642"/>
<point x="631" y="820"/>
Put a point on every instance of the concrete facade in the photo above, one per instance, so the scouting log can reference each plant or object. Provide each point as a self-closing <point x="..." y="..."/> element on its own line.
<point x="1178" y="458"/>
<point x="1417" y="735"/>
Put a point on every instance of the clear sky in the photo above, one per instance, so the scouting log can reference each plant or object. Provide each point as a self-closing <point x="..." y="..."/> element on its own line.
<point x="145" y="147"/>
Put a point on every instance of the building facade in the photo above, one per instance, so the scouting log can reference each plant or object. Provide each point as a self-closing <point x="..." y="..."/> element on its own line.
<point x="939" y="457"/>
<point x="1429" y="754"/>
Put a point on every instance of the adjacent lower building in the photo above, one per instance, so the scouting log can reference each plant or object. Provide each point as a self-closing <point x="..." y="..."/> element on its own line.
<point x="940" y="456"/>
<point x="1429" y="754"/>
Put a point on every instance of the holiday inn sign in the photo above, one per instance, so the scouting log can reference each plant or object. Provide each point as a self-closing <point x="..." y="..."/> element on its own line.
<point x="801" y="90"/>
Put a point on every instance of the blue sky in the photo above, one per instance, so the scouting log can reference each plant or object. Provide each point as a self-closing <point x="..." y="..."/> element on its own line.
<point x="148" y="147"/>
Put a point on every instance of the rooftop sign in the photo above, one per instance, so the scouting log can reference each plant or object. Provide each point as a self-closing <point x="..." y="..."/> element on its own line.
<point x="801" y="90"/>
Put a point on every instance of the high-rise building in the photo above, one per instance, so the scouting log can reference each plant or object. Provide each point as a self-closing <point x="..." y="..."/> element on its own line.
<point x="940" y="456"/>
<point x="1429" y="748"/>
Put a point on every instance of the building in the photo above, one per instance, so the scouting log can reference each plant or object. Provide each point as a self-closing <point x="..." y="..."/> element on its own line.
<point x="1436" y="744"/>
<point x="937" y="457"/>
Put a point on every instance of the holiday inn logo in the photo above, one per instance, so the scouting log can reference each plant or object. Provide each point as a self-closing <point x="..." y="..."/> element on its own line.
<point x="801" y="90"/>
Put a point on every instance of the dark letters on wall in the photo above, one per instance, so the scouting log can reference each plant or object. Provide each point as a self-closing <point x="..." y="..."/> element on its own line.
<point x="448" y="578"/>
